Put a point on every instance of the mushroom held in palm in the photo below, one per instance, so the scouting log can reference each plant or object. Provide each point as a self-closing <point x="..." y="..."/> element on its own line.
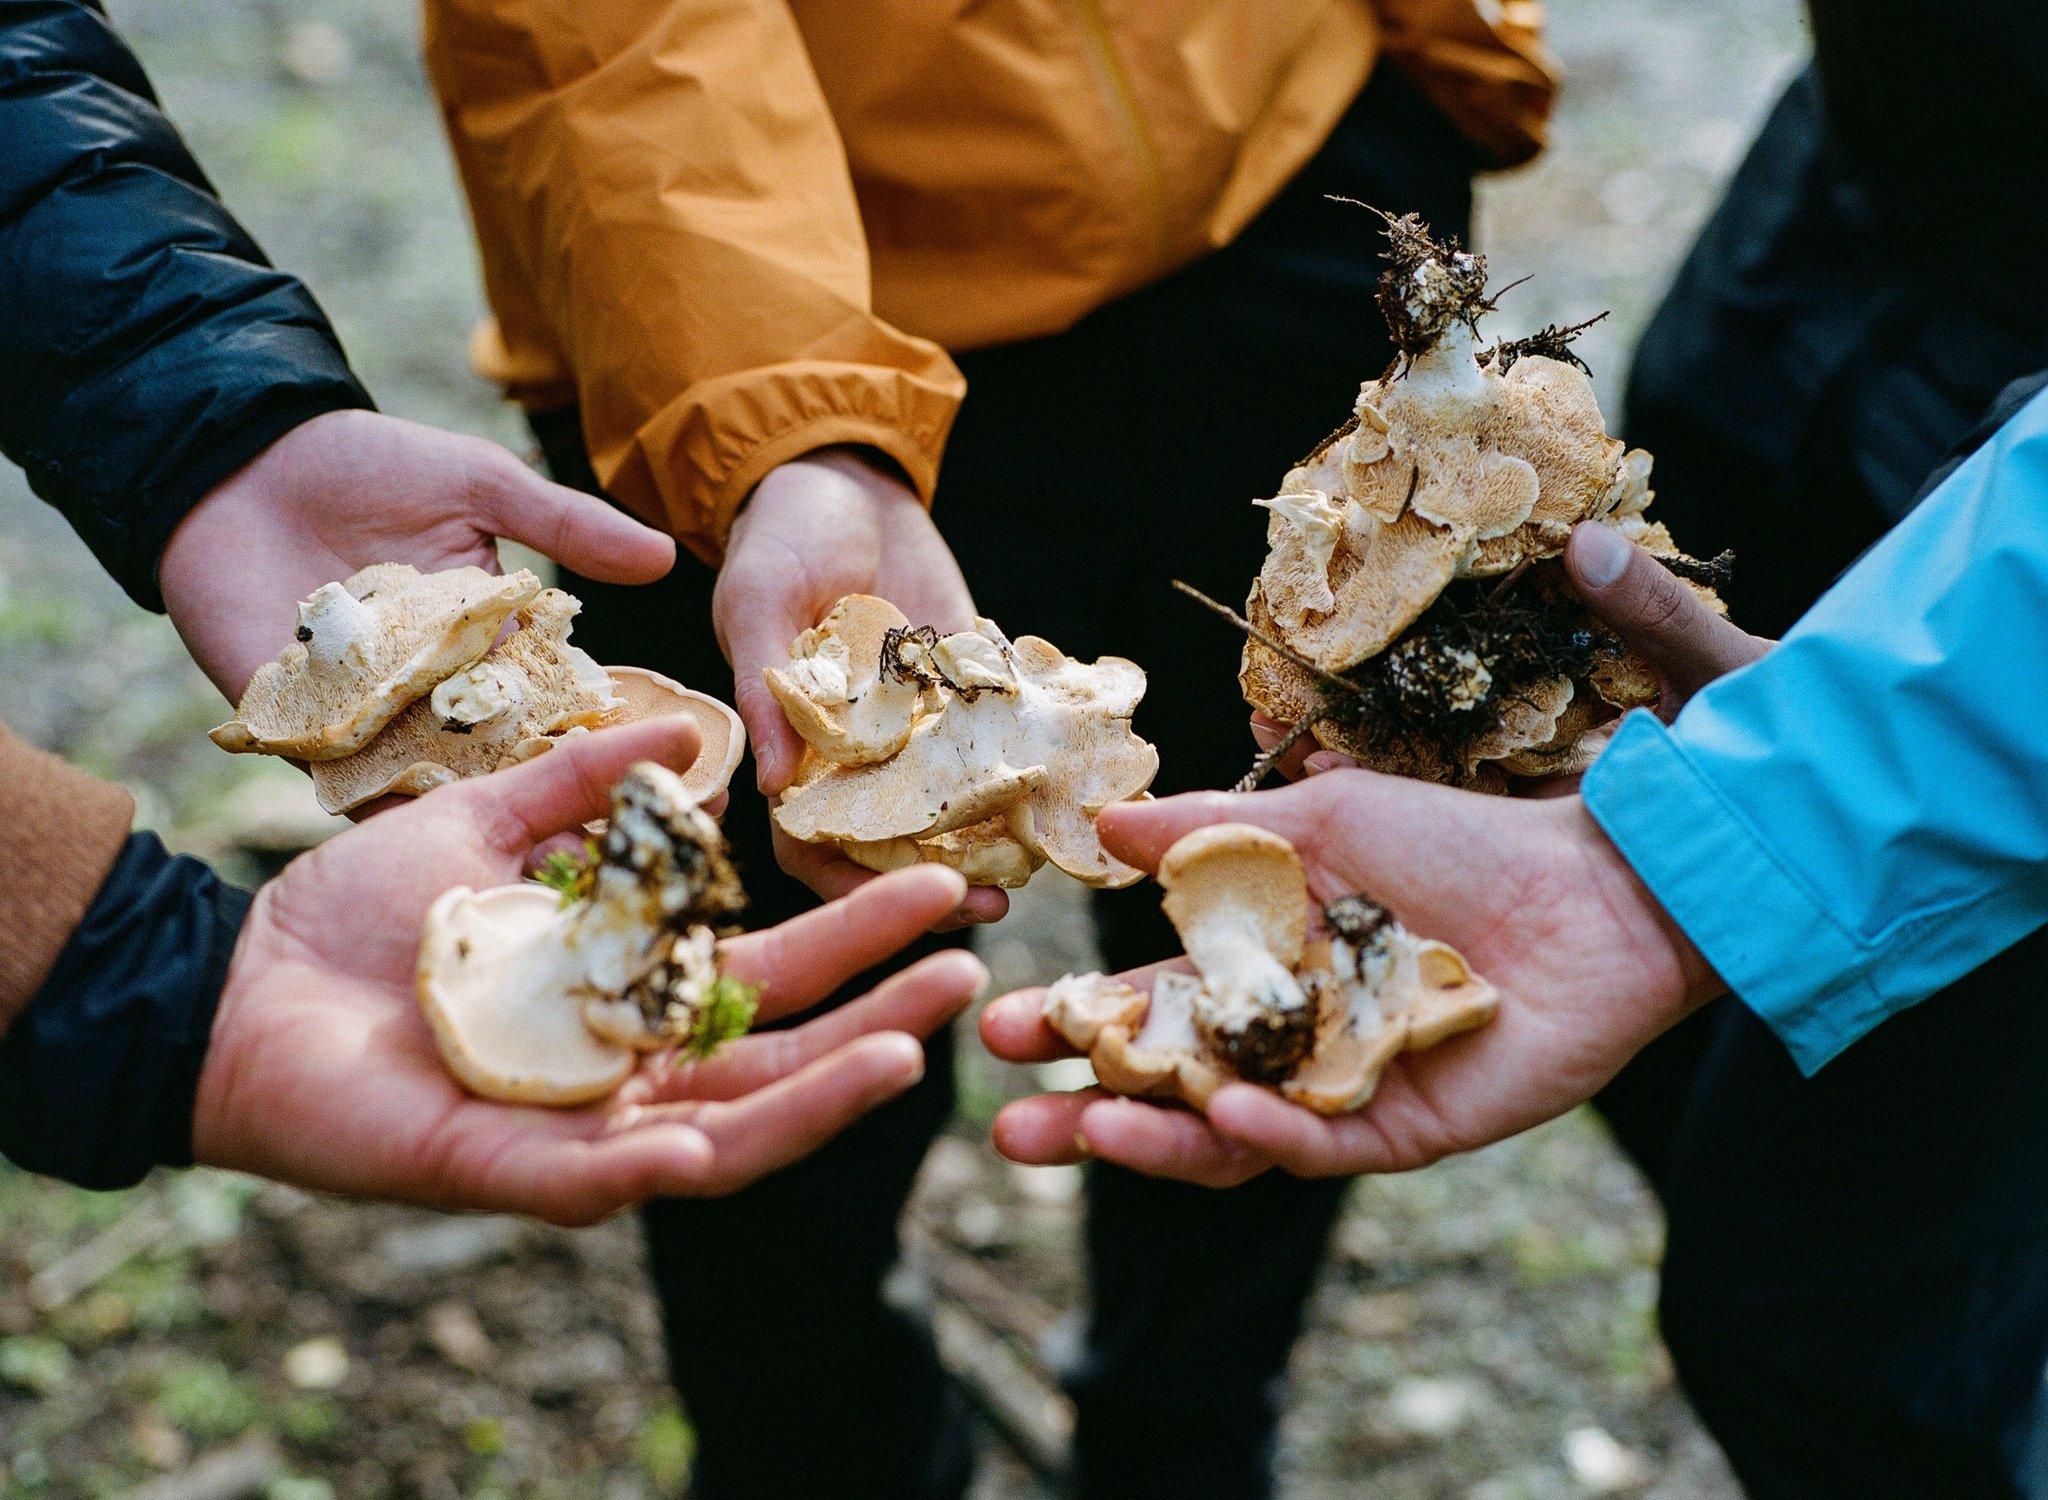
<point x="970" y="749"/>
<point x="550" y="993"/>
<point x="1316" y="1015"/>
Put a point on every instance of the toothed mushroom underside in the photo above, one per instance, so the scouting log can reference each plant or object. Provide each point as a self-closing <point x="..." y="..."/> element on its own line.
<point x="400" y="681"/>
<point x="538" y="1000"/>
<point x="1314" y="1015"/>
<point x="971" y="750"/>
<point x="1431" y="523"/>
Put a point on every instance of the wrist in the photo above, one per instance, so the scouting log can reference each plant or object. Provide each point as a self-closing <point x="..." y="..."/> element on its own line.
<point x="1676" y="978"/>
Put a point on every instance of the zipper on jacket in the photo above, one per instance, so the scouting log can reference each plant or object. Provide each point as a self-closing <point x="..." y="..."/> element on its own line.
<point x="1122" y="98"/>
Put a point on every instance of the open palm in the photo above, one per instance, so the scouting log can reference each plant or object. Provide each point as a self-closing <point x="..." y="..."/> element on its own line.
<point x="1531" y="892"/>
<point x="322" y="1071"/>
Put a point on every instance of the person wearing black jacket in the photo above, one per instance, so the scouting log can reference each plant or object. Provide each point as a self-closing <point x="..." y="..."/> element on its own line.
<point x="190" y="411"/>
<point x="1859" y="1307"/>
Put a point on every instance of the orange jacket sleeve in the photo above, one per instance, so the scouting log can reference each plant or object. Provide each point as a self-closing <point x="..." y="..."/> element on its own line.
<point x="1483" y="63"/>
<point x="672" y="237"/>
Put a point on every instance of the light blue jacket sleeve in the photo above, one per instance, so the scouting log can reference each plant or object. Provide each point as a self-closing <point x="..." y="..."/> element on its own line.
<point x="1861" y="817"/>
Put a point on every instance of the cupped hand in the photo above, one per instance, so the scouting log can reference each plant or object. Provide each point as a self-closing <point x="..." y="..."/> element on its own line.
<point x="1589" y="968"/>
<point x="352" y="488"/>
<point x="823" y="526"/>
<point x="322" y="1071"/>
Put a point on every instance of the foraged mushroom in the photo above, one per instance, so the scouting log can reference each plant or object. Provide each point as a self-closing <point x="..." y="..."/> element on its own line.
<point x="548" y="996"/>
<point x="1012" y="740"/>
<point x="1412" y="610"/>
<point x="458" y="705"/>
<point x="365" y="649"/>
<point x="1317" y="1019"/>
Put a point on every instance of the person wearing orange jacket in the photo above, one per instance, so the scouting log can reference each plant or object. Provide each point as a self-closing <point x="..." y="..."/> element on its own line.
<point x="754" y="267"/>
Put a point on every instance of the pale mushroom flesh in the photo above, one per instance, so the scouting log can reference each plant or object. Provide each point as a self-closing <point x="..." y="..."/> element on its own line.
<point x="1317" y="1015"/>
<point x="546" y="996"/>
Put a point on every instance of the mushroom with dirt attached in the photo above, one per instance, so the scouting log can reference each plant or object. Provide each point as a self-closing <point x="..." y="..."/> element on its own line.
<point x="550" y="993"/>
<point x="1317" y="1017"/>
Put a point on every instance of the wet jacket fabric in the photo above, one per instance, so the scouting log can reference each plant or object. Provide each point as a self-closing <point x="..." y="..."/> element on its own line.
<point x="1876" y="787"/>
<point x="734" y="231"/>
<point x="148" y="350"/>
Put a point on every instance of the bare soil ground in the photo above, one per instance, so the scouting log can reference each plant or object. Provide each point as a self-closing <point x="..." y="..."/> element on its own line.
<point x="1485" y="1329"/>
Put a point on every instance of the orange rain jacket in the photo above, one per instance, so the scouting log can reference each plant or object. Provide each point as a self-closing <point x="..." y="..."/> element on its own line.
<point x="736" y="231"/>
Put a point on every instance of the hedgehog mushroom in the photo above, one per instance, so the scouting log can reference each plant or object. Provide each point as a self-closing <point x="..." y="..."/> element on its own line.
<point x="366" y="649"/>
<point x="535" y="1001"/>
<point x="1016" y="731"/>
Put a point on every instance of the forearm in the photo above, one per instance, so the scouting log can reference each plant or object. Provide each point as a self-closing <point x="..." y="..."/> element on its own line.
<point x="149" y="349"/>
<point x="99" y="1071"/>
<point x="1862" y="817"/>
<point x="665" y="204"/>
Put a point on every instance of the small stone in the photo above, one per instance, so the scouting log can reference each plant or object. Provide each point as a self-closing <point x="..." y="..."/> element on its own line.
<point x="318" y="1364"/>
<point x="449" y="1245"/>
<point x="1603" y="1465"/>
<point x="1431" y="1409"/>
<point x="458" y="1336"/>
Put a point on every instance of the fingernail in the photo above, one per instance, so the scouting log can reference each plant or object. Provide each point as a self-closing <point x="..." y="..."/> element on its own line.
<point x="1599" y="553"/>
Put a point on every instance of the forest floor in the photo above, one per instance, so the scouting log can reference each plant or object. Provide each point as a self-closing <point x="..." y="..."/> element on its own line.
<point x="1485" y="1329"/>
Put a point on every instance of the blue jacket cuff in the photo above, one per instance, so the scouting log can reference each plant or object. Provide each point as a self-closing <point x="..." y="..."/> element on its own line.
<point x="1752" y="917"/>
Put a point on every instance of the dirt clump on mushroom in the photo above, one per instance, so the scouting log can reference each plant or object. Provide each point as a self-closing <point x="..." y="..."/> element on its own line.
<point x="1315" y="1009"/>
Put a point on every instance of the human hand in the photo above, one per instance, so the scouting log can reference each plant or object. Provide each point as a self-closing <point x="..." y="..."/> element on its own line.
<point x="1531" y="892"/>
<point x="323" y="1072"/>
<point x="816" y="529"/>
<point x="352" y="488"/>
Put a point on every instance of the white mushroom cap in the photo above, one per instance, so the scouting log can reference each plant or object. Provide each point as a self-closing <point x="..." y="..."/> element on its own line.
<point x="497" y="984"/>
<point x="834" y="690"/>
<point x="367" y="648"/>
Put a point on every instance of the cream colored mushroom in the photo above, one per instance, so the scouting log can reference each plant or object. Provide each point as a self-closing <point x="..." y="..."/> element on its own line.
<point x="836" y="691"/>
<point x="1318" y="1020"/>
<point x="1016" y="731"/>
<point x="722" y="738"/>
<point x="540" y="1002"/>
<point x="366" y="649"/>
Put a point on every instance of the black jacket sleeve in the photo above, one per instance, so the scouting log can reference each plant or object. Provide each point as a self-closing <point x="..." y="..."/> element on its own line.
<point x="147" y="348"/>
<point x="99" y="1072"/>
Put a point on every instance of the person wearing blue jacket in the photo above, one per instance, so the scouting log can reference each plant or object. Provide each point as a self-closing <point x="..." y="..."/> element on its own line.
<point x="1846" y="841"/>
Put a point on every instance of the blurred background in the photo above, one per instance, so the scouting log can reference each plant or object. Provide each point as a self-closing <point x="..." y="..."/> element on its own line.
<point x="1485" y="1329"/>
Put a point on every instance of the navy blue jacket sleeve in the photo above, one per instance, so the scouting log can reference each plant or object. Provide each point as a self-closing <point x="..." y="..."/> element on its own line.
<point x="148" y="349"/>
<point x="98" y="1074"/>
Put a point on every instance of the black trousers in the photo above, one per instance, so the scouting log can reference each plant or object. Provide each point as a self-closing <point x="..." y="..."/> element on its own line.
<point x="1856" y="1286"/>
<point x="1086" y="471"/>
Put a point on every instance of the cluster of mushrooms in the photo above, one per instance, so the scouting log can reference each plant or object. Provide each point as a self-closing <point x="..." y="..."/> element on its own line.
<point x="1314" y="1010"/>
<point x="399" y="681"/>
<point x="972" y="750"/>
<point x="1412" y="610"/>
<point x="550" y="994"/>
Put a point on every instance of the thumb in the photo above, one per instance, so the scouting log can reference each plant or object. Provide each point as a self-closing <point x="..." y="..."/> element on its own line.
<point x="572" y="783"/>
<point x="1140" y="833"/>
<point x="755" y="626"/>
<point x="582" y="532"/>
<point x="1654" y="611"/>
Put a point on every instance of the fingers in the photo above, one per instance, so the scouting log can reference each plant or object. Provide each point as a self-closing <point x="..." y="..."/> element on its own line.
<point x="806" y="958"/>
<point x="1329" y="760"/>
<point x="570" y="784"/>
<point x="1268" y="732"/>
<point x="1654" y="610"/>
<point x="582" y="532"/>
<point x="772" y="1127"/>
<point x="1141" y="832"/>
<point x="917" y="1002"/>
<point x="1298" y="1140"/>
<point x="832" y="875"/>
<point x="756" y="621"/>
<point x="1158" y="1140"/>
<point x="1013" y="1025"/>
<point x="558" y="1173"/>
